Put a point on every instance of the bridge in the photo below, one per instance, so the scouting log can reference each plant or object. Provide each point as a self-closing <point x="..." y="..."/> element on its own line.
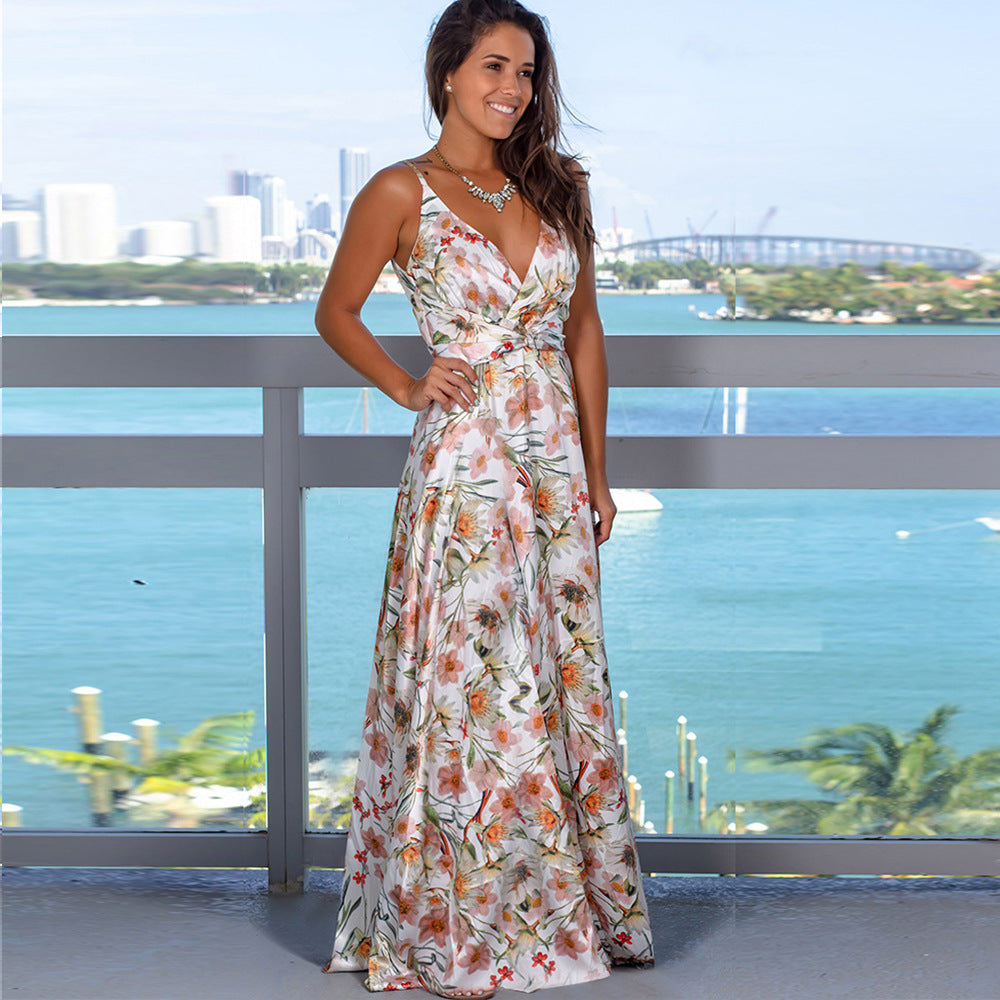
<point x="781" y="251"/>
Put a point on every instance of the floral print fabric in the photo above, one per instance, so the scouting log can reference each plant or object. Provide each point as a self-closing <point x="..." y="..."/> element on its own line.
<point x="490" y="843"/>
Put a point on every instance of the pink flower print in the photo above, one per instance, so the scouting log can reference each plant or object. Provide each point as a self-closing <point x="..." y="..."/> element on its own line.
<point x="374" y="843"/>
<point x="449" y="669"/>
<point x="605" y="773"/>
<point x="379" y="746"/>
<point x="479" y="462"/>
<point x="485" y="899"/>
<point x="549" y="242"/>
<point x="434" y="924"/>
<point x="587" y="568"/>
<point x="595" y="709"/>
<point x="406" y="828"/>
<point x="535" y="723"/>
<point x="531" y="788"/>
<point x="571" y="426"/>
<point x="477" y="957"/>
<point x="522" y="404"/>
<point x="473" y="295"/>
<point x="483" y="774"/>
<point x="457" y="637"/>
<point x="553" y="440"/>
<point x="405" y="904"/>
<point x="492" y="298"/>
<point x="451" y="780"/>
<point x="570" y="942"/>
<point x="521" y="529"/>
<point x="561" y="885"/>
<point x="504" y="804"/>
<point x="504" y="736"/>
<point x="504" y="593"/>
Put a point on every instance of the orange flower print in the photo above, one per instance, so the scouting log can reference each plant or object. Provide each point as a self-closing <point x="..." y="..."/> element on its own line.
<point x="479" y="702"/>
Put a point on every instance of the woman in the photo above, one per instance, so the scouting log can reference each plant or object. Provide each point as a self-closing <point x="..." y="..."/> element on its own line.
<point x="490" y="842"/>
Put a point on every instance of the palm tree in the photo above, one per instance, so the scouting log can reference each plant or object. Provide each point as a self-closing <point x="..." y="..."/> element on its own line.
<point x="881" y="781"/>
<point x="214" y="753"/>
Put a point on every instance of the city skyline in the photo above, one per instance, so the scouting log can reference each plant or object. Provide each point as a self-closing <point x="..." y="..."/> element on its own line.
<point x="864" y="122"/>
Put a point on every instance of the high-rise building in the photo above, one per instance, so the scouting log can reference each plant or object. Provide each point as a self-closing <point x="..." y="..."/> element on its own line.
<point x="167" y="239"/>
<point x="246" y="182"/>
<point x="354" y="174"/>
<point x="319" y="213"/>
<point x="79" y="223"/>
<point x="22" y="234"/>
<point x="231" y="229"/>
<point x="273" y="201"/>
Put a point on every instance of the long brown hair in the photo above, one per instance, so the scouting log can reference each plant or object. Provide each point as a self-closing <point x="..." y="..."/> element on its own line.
<point x="531" y="154"/>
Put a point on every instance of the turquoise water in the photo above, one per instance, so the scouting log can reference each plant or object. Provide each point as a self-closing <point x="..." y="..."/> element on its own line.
<point x="758" y="614"/>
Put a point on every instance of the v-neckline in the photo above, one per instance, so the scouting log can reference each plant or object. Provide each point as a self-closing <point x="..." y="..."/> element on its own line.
<point x="487" y="240"/>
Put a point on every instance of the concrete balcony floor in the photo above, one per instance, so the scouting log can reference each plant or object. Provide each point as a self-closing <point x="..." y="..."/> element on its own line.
<point x="154" y="934"/>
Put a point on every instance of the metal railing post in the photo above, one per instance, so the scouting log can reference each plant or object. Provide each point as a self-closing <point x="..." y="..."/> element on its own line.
<point x="285" y="696"/>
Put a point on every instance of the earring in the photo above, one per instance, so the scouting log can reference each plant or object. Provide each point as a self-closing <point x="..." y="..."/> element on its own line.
<point x="447" y="87"/>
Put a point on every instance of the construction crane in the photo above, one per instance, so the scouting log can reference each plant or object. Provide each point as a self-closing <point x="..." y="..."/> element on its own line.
<point x="695" y="233"/>
<point x="768" y="216"/>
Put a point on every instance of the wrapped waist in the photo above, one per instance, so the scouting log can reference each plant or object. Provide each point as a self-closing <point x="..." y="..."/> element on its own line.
<point x="477" y="341"/>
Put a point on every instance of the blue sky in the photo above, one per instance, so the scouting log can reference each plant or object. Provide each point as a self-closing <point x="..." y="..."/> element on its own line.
<point x="877" y="119"/>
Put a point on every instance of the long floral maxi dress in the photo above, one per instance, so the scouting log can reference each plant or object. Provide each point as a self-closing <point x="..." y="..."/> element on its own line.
<point x="490" y="843"/>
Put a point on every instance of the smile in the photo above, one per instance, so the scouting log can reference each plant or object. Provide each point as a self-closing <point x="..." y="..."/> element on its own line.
<point x="507" y="110"/>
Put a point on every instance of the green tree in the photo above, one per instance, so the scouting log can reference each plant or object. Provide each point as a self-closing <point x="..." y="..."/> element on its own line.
<point x="877" y="780"/>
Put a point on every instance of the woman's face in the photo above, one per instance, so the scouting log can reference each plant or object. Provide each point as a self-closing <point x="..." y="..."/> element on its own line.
<point x="492" y="88"/>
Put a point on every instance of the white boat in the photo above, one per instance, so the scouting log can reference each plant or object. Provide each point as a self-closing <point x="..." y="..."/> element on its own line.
<point x="993" y="523"/>
<point x="635" y="501"/>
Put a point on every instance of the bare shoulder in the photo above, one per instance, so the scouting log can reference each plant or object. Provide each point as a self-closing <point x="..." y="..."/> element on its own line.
<point x="394" y="187"/>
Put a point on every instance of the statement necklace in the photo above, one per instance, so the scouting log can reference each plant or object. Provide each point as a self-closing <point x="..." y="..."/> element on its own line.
<point x="495" y="198"/>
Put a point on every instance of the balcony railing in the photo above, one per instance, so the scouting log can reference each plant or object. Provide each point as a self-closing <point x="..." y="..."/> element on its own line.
<point x="283" y="461"/>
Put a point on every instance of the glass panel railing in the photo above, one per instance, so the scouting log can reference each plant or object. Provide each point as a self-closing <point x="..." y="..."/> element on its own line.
<point x="132" y="411"/>
<point x="832" y="653"/>
<point x="133" y="658"/>
<point x="347" y="533"/>
<point x="715" y="411"/>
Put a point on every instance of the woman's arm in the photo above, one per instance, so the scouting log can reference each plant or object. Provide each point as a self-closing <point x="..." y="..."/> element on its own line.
<point x="584" y="335"/>
<point x="371" y="235"/>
